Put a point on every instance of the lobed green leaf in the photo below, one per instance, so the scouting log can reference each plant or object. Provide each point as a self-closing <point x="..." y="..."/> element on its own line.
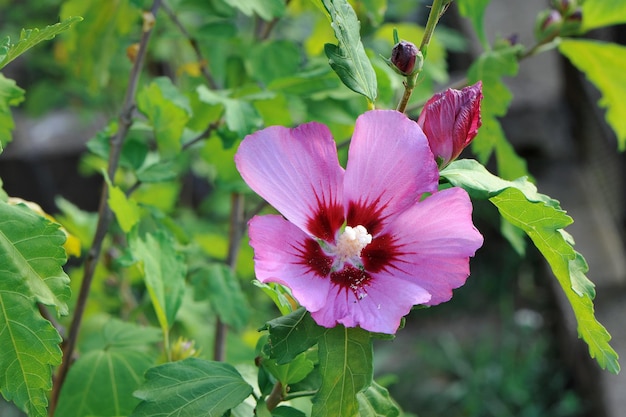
<point x="191" y="387"/>
<point x="10" y="95"/>
<point x="348" y="58"/>
<point x="31" y="259"/>
<point x="544" y="225"/>
<point x="345" y="356"/>
<point x="490" y="67"/>
<point x="475" y="11"/>
<point x="31" y="37"/>
<point x="168" y="111"/>
<point x="604" y="64"/>
<point x="126" y="210"/>
<point x="599" y="13"/>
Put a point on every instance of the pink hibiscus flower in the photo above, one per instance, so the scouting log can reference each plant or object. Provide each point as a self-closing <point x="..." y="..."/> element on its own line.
<point x="358" y="246"/>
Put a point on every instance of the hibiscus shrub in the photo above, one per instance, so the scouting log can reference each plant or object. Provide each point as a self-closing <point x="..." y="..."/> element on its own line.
<point x="282" y="184"/>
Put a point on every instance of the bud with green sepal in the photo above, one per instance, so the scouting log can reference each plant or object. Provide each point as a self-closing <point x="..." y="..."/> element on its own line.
<point x="548" y="25"/>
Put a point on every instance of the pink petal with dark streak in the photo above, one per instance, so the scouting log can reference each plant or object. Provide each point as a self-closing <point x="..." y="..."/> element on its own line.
<point x="297" y="171"/>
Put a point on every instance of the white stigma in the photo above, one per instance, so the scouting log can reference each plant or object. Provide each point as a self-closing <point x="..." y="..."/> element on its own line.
<point x="352" y="241"/>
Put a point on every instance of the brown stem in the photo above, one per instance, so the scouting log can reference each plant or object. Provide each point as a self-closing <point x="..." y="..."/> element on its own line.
<point x="237" y="226"/>
<point x="104" y="212"/>
<point x="194" y="45"/>
<point x="275" y="397"/>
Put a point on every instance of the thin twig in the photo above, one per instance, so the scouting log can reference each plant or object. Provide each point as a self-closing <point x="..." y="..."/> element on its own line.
<point x="237" y="227"/>
<point x="194" y="45"/>
<point x="104" y="217"/>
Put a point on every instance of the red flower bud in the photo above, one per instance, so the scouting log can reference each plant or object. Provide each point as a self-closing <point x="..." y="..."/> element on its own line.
<point x="403" y="57"/>
<point x="450" y="120"/>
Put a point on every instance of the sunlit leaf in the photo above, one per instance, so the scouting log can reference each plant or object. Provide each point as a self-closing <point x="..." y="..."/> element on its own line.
<point x="32" y="251"/>
<point x="292" y="334"/>
<point x="544" y="224"/>
<point x="126" y="210"/>
<point x="475" y="11"/>
<point x="168" y="111"/>
<point x="31" y="259"/>
<point x="10" y="95"/>
<point x="348" y="57"/>
<point x="598" y="13"/>
<point x="31" y="37"/>
<point x="345" y="356"/>
<point x="604" y="64"/>
<point x="191" y="387"/>
<point x="491" y="67"/>
<point x="218" y="283"/>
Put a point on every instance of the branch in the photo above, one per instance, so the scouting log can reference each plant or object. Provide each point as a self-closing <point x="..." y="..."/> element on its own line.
<point x="104" y="212"/>
<point x="194" y="44"/>
<point x="237" y="228"/>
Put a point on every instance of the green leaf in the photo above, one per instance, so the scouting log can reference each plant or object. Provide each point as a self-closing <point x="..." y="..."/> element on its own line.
<point x="604" y="64"/>
<point x="345" y="356"/>
<point x="292" y="372"/>
<point x="160" y="171"/>
<point x="218" y="283"/>
<point x="266" y="9"/>
<point x="101" y="382"/>
<point x="31" y="251"/>
<point x="292" y="334"/>
<point x="103" y="332"/>
<point x="475" y="11"/>
<point x="126" y="210"/>
<point x="240" y="116"/>
<point x="31" y="37"/>
<point x="168" y="111"/>
<point x="482" y="184"/>
<point x="544" y="224"/>
<point x="31" y="257"/>
<point x="91" y="49"/>
<point x="286" y="411"/>
<point x="490" y="67"/>
<point x="164" y="271"/>
<point x="29" y="346"/>
<point x="376" y="402"/>
<point x="192" y="387"/>
<point x="10" y="95"/>
<point x="273" y="60"/>
<point x="348" y="59"/>
<point x="598" y="13"/>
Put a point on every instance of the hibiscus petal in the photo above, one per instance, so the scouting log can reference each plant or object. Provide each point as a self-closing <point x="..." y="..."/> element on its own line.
<point x="379" y="307"/>
<point x="297" y="171"/>
<point x="389" y="166"/>
<point x="285" y="254"/>
<point x="430" y="244"/>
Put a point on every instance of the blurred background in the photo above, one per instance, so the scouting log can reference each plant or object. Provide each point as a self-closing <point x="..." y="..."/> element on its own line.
<point x="507" y="344"/>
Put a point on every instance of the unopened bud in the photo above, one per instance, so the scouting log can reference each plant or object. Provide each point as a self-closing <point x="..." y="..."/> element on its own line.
<point x="548" y="25"/>
<point x="450" y="120"/>
<point x="572" y="23"/>
<point x="406" y="58"/>
<point x="565" y="7"/>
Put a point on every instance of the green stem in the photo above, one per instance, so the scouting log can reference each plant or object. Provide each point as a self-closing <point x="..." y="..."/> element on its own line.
<point x="436" y="11"/>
